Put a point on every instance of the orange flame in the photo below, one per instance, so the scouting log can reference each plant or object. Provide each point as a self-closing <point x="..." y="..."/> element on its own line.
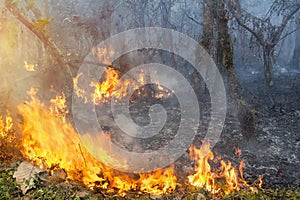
<point x="204" y="177"/>
<point x="6" y="125"/>
<point x="50" y="141"/>
<point x="108" y="89"/>
<point x="103" y="54"/>
<point x="9" y="143"/>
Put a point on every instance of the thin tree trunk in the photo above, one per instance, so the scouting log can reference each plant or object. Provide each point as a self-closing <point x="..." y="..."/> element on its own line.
<point x="295" y="63"/>
<point x="267" y="64"/>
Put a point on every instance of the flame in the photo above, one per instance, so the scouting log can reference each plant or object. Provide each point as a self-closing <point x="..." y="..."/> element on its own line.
<point x="161" y="91"/>
<point x="260" y="181"/>
<point x="161" y="182"/>
<point x="107" y="89"/>
<point x="29" y="67"/>
<point x="205" y="177"/>
<point x="9" y="142"/>
<point x="104" y="91"/>
<point x="6" y="126"/>
<point x="50" y="141"/>
<point x="242" y="180"/>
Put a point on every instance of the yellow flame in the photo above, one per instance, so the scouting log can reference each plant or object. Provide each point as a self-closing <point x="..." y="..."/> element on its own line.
<point x="50" y="141"/>
<point x="205" y="177"/>
<point x="6" y="126"/>
<point x="29" y="67"/>
<point x="104" y="91"/>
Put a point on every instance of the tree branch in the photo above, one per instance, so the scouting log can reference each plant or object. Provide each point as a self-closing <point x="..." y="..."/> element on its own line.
<point x="191" y="18"/>
<point x="43" y="36"/>
<point x="289" y="33"/>
<point x="237" y="12"/>
<point x="285" y="20"/>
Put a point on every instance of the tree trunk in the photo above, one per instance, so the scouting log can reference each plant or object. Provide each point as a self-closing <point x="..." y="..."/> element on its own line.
<point x="268" y="64"/>
<point x="224" y="58"/>
<point x="295" y="63"/>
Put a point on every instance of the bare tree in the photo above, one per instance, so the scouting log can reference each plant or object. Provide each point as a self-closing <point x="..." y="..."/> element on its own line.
<point x="266" y="34"/>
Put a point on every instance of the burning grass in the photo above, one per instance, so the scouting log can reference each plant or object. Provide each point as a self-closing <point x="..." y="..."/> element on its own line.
<point x="49" y="140"/>
<point x="108" y="89"/>
<point x="9" y="144"/>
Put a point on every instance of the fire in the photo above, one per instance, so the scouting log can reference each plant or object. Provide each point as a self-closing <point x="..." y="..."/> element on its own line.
<point x="161" y="182"/>
<point x="9" y="143"/>
<point x="205" y="177"/>
<point x="29" y="67"/>
<point x="108" y="89"/>
<point x="6" y="126"/>
<point x="51" y="142"/>
<point x="48" y="139"/>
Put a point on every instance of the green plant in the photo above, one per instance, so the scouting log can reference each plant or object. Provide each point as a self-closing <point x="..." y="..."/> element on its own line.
<point x="9" y="189"/>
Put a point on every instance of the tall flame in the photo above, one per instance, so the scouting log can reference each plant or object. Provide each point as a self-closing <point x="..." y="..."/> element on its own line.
<point x="205" y="177"/>
<point x="9" y="146"/>
<point x="6" y="126"/>
<point x="50" y="141"/>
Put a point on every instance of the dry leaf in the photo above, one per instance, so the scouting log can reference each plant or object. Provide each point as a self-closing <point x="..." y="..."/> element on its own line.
<point x="24" y="175"/>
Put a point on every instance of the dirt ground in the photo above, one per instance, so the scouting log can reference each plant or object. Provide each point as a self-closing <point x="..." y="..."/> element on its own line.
<point x="274" y="150"/>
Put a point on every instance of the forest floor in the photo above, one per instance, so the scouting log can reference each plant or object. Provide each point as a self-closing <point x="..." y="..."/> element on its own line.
<point x="274" y="151"/>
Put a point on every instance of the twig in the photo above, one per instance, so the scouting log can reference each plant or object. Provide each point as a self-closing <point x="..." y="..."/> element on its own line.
<point x="191" y="18"/>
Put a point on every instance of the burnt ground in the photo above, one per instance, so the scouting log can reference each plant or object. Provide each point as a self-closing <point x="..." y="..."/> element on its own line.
<point x="273" y="151"/>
